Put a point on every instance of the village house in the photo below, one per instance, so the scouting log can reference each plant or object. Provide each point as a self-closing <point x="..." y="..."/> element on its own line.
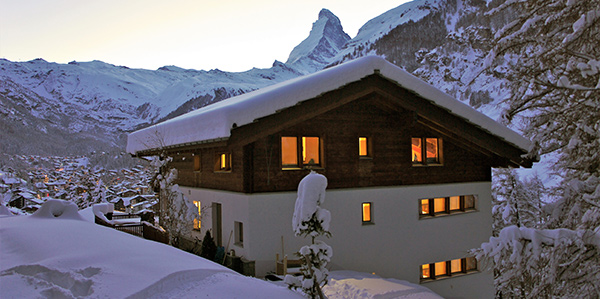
<point x="408" y="169"/>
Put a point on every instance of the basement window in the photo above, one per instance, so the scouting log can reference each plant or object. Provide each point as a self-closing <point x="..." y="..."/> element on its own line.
<point x="197" y="222"/>
<point x="446" y="205"/>
<point x="448" y="269"/>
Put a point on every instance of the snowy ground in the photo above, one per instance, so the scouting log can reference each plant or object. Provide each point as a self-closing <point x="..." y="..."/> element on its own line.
<point x="66" y="256"/>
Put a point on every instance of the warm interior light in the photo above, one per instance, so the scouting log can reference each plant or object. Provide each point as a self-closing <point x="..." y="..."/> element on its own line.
<point x="223" y="161"/>
<point x="366" y="207"/>
<point x="417" y="150"/>
<point x="197" y="222"/>
<point x="362" y="146"/>
<point x="440" y="269"/>
<point x="439" y="205"/>
<point x="289" y="151"/>
<point x="424" y="206"/>
<point x="454" y="203"/>
<point x="425" y="273"/>
<point x="432" y="150"/>
<point x="310" y="150"/>
<point x="456" y="266"/>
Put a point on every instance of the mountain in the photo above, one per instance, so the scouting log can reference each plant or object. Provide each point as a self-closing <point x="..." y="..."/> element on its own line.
<point x="326" y="39"/>
<point x="50" y="108"/>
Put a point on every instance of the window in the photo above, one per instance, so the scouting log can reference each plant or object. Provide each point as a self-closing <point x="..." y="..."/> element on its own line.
<point x="366" y="213"/>
<point x="305" y="154"/>
<point x="239" y="233"/>
<point x="363" y="147"/>
<point x="196" y="162"/>
<point x="197" y="222"/>
<point x="448" y="269"/>
<point x="426" y="151"/>
<point x="446" y="205"/>
<point x="223" y="162"/>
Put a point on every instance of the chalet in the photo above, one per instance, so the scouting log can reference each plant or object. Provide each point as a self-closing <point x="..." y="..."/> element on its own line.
<point x="408" y="168"/>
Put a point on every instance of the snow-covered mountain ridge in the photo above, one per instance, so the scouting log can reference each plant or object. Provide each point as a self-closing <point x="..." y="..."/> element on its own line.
<point x="84" y="106"/>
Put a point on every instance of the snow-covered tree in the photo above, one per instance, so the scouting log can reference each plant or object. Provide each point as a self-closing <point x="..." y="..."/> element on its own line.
<point x="177" y="211"/>
<point x="554" y="72"/>
<point x="311" y="220"/>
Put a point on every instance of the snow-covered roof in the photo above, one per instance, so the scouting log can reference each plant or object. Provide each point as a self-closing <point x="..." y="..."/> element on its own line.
<point x="214" y="122"/>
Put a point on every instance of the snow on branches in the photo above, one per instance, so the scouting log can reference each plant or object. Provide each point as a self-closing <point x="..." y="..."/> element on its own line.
<point x="311" y="220"/>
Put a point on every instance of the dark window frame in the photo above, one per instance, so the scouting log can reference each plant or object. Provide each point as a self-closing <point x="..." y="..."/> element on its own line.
<point x="362" y="212"/>
<point x="299" y="152"/>
<point x="424" y="160"/>
<point x="449" y="273"/>
<point x="228" y="162"/>
<point x="430" y="202"/>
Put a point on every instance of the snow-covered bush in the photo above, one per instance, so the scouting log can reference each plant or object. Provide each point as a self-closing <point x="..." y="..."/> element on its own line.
<point x="311" y="220"/>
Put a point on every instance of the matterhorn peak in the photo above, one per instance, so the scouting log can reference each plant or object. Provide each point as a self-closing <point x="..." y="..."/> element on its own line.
<point x="325" y="40"/>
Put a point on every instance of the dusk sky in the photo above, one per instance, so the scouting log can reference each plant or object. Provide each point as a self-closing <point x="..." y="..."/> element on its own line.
<point x="229" y="35"/>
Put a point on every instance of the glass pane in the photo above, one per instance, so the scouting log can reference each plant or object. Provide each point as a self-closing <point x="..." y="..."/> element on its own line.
<point x="471" y="263"/>
<point x="362" y="146"/>
<point x="223" y="161"/>
<point x="432" y="150"/>
<point x="366" y="212"/>
<point x="424" y="206"/>
<point x="439" y="205"/>
<point x="310" y="150"/>
<point x="425" y="273"/>
<point x="469" y="202"/>
<point x="417" y="150"/>
<point x="289" y="151"/>
<point x="197" y="222"/>
<point x="454" y="203"/>
<point x="196" y="163"/>
<point x="456" y="266"/>
<point x="440" y="269"/>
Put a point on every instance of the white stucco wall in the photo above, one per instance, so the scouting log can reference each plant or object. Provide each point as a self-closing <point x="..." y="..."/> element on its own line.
<point x="395" y="245"/>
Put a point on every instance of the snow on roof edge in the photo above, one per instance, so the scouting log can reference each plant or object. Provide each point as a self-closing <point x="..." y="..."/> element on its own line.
<point x="214" y="122"/>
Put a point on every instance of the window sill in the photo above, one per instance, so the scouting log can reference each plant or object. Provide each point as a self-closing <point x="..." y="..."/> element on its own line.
<point x="365" y="158"/>
<point x="447" y="214"/>
<point x="427" y="165"/>
<point x="238" y="244"/>
<point x="303" y="168"/>
<point x="454" y="275"/>
<point x="222" y="171"/>
<point x="368" y="223"/>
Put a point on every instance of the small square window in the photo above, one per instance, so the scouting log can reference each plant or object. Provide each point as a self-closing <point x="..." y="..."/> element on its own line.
<point x="439" y="205"/>
<point x="366" y="212"/>
<point x="456" y="266"/>
<point x="469" y="202"/>
<point x="426" y="151"/>
<point x="440" y="269"/>
<point x="454" y="203"/>
<point x="239" y="233"/>
<point x="471" y="264"/>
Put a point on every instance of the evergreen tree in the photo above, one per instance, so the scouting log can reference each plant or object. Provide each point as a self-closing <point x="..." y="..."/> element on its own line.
<point x="555" y="83"/>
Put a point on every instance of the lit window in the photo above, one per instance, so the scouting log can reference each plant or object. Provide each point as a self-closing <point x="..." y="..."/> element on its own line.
<point x="197" y="222"/>
<point x="440" y="269"/>
<point x="196" y="162"/>
<point x="448" y="269"/>
<point x="366" y="212"/>
<point x="446" y="205"/>
<point x="239" y="233"/>
<point x="289" y="151"/>
<point x="439" y="205"/>
<point x="417" y="150"/>
<point x="310" y="150"/>
<point x="363" y="149"/>
<point x="425" y="206"/>
<point x="223" y="162"/>
<point x="454" y="203"/>
<point x="431" y="151"/>
<point x="425" y="272"/>
<point x="456" y="266"/>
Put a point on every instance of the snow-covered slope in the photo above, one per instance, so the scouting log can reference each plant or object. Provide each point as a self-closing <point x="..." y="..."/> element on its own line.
<point x="325" y="40"/>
